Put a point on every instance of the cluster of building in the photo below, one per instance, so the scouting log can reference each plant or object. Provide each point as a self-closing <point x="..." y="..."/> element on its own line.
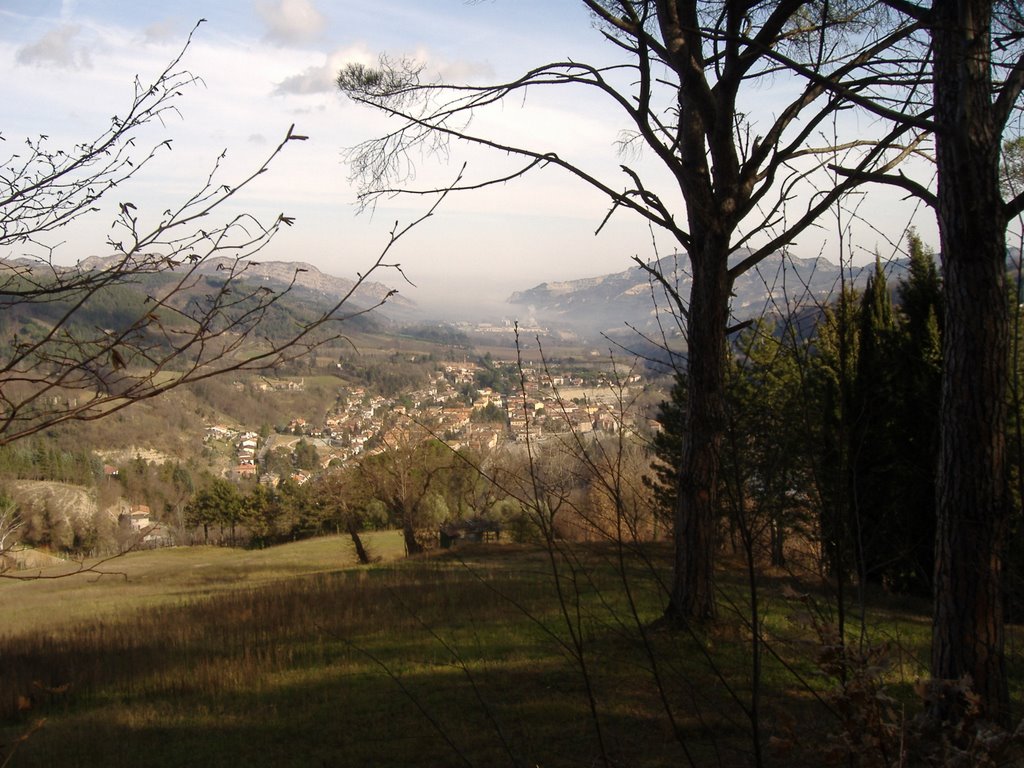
<point x="450" y="407"/>
<point x="246" y="445"/>
<point x="550" y="403"/>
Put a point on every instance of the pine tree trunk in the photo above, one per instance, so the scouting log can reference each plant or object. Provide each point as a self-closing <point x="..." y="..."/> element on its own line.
<point x="972" y="498"/>
<point x="696" y="512"/>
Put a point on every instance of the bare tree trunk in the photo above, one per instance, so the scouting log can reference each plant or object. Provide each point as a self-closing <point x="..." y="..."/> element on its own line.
<point x="357" y="542"/>
<point x="412" y="546"/>
<point x="972" y="501"/>
<point x="696" y="512"/>
<point x="777" y="532"/>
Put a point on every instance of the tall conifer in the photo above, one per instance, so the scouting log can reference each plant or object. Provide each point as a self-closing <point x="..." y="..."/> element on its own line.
<point x="874" y="447"/>
<point x="920" y="317"/>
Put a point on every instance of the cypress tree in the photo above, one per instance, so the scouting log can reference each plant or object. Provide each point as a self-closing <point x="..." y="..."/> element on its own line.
<point x="874" y="434"/>
<point x="877" y="381"/>
<point x="830" y="392"/>
<point x="921" y="312"/>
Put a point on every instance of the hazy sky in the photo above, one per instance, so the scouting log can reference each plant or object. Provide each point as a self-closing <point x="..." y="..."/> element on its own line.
<point x="265" y="64"/>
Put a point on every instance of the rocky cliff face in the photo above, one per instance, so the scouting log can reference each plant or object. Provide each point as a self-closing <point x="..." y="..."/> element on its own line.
<point x="308" y="277"/>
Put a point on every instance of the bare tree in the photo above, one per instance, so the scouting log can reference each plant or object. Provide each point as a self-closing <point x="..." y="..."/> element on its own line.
<point x="10" y="523"/>
<point x="686" y="84"/>
<point x="78" y="344"/>
<point x="406" y="478"/>
<point x="333" y="491"/>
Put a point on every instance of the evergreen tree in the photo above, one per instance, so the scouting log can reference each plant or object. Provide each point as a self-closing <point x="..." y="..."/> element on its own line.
<point x="218" y="504"/>
<point x="829" y="396"/>
<point x="875" y="446"/>
<point x="306" y="455"/>
<point x="920" y="372"/>
<point x="765" y="439"/>
<point x="261" y="511"/>
<point x="668" y="451"/>
<point x="875" y="393"/>
<point x="765" y="442"/>
<point x="297" y="519"/>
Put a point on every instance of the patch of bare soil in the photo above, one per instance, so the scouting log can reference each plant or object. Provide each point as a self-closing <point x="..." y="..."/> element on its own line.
<point x="27" y="559"/>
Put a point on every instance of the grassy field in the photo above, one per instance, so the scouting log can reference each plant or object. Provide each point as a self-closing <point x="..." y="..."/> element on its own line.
<point x="148" y="579"/>
<point x="294" y="656"/>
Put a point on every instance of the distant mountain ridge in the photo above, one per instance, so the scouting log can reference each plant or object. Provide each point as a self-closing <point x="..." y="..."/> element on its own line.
<point x="303" y="293"/>
<point x="613" y="304"/>
<point x="308" y="278"/>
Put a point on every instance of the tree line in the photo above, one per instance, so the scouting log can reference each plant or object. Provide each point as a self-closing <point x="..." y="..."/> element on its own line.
<point x="832" y="437"/>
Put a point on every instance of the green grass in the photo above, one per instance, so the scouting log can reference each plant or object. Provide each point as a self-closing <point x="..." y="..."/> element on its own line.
<point x="138" y="580"/>
<point x="294" y="657"/>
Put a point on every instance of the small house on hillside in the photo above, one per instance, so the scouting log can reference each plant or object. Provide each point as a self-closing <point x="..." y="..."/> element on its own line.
<point x="156" y="535"/>
<point x="149" y="533"/>
<point x="138" y="517"/>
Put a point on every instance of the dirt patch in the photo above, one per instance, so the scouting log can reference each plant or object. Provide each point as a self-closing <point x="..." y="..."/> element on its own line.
<point x="125" y="455"/>
<point x="27" y="560"/>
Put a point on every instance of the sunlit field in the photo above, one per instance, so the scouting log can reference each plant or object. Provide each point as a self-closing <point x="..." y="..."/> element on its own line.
<point x="295" y="656"/>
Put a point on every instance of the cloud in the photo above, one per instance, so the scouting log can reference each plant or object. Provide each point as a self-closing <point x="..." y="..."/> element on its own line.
<point x="57" y="48"/>
<point x="163" y="31"/>
<point x="291" y="21"/>
<point x="458" y="71"/>
<point x="320" y="78"/>
<point x="311" y="80"/>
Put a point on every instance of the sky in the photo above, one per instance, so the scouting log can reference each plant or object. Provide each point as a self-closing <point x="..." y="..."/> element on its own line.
<point x="265" y="65"/>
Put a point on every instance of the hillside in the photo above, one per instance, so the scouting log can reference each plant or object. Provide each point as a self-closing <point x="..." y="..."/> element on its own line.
<point x="37" y="497"/>
<point x="171" y="428"/>
<point x="610" y="304"/>
<point x="148" y="578"/>
<point x="303" y="293"/>
<point x="64" y="510"/>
